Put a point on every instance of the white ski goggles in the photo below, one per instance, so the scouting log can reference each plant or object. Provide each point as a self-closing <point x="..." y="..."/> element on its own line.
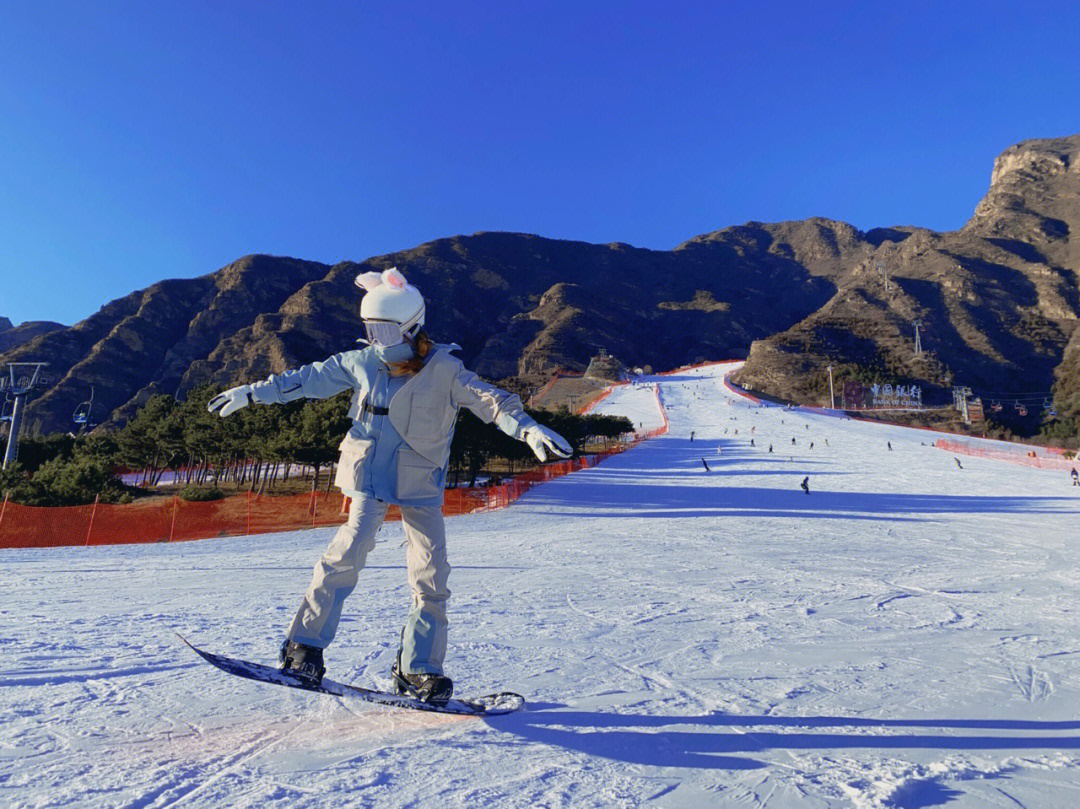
<point x="383" y="332"/>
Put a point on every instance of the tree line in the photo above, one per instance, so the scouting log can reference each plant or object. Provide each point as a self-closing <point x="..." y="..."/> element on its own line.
<point x="255" y="449"/>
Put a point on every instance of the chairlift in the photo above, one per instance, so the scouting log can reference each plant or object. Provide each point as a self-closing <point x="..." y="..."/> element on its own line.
<point x="996" y="407"/>
<point x="7" y="407"/>
<point x="1020" y="408"/>
<point x="1048" y="408"/>
<point x="81" y="416"/>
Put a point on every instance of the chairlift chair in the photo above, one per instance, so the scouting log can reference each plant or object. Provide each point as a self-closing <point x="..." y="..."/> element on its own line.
<point x="1020" y="408"/>
<point x="996" y="407"/>
<point x="81" y="416"/>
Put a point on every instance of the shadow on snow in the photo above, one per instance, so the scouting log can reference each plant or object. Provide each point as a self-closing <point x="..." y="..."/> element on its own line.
<point x="646" y="482"/>
<point x="721" y="741"/>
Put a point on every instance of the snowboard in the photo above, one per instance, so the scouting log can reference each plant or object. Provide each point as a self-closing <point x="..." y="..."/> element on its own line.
<point x="487" y="705"/>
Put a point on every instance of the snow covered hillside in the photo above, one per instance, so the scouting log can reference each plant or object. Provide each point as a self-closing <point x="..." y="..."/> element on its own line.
<point x="906" y="634"/>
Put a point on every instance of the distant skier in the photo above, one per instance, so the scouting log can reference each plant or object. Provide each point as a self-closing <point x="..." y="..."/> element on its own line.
<point x="958" y="464"/>
<point x="751" y="442"/>
<point x="770" y="447"/>
<point x="719" y="450"/>
<point x="811" y="445"/>
<point x="793" y="441"/>
<point x="1075" y="477"/>
<point x="890" y="445"/>
<point x="691" y="436"/>
<point x="806" y="484"/>
<point x="407" y="391"/>
<point x="705" y="465"/>
<point x="826" y="442"/>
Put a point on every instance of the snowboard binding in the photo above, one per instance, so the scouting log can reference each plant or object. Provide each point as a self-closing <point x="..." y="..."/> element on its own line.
<point x="434" y="689"/>
<point x="303" y="661"/>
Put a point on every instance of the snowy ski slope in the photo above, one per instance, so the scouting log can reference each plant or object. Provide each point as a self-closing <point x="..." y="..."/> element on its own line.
<point x="905" y="635"/>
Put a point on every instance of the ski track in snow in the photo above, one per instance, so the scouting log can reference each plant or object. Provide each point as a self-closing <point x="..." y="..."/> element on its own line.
<point x="904" y="636"/>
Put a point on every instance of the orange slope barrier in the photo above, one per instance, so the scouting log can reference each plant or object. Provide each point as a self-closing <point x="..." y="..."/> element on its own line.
<point x="1021" y="454"/>
<point x="172" y="519"/>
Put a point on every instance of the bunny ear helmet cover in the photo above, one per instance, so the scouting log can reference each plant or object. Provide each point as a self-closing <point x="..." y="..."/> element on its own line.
<point x="390" y="298"/>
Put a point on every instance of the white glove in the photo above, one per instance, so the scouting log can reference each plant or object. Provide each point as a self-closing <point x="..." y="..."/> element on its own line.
<point x="228" y="402"/>
<point x="540" y="438"/>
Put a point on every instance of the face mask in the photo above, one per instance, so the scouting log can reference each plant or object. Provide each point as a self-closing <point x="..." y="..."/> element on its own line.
<point x="402" y="352"/>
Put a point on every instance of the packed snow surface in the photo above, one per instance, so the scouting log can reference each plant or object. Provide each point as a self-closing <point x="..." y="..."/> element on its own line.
<point x="905" y="635"/>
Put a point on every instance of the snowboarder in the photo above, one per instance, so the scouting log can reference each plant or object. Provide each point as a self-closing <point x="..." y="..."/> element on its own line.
<point x="958" y="465"/>
<point x="751" y="442"/>
<point x="770" y="447"/>
<point x="406" y="394"/>
<point x="806" y="484"/>
<point x="890" y="445"/>
<point x="1075" y="477"/>
<point x="703" y="463"/>
<point x="811" y="445"/>
<point x="793" y="442"/>
<point x="691" y="436"/>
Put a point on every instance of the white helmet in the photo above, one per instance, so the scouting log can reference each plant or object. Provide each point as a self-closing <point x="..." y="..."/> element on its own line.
<point x="392" y="308"/>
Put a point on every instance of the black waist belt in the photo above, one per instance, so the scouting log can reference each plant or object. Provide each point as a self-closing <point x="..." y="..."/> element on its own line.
<point x="376" y="411"/>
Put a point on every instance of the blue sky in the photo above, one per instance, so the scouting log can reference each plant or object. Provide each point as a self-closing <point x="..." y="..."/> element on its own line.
<point x="142" y="141"/>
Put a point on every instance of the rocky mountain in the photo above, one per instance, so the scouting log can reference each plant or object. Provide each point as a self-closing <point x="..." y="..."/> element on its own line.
<point x="999" y="300"/>
<point x="12" y="336"/>
<point x="519" y="305"/>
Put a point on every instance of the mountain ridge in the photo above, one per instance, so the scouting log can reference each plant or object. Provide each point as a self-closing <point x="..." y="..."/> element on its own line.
<point x="999" y="299"/>
<point x="12" y="336"/>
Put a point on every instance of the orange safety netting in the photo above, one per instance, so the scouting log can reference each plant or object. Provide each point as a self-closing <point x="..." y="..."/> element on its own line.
<point x="173" y="519"/>
<point x="1023" y="454"/>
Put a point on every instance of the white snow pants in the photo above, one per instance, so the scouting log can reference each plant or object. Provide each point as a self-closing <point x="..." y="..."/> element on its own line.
<point x="423" y="640"/>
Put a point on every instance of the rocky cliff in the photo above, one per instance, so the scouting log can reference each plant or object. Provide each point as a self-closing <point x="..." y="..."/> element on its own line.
<point x="998" y="299"/>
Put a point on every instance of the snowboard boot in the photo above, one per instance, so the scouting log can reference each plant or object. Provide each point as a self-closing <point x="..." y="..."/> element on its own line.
<point x="432" y="688"/>
<point x="302" y="661"/>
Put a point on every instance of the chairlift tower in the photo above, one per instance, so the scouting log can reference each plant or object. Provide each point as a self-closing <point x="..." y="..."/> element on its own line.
<point x="883" y="275"/>
<point x="962" y="393"/>
<point x="918" y="340"/>
<point x="19" y="386"/>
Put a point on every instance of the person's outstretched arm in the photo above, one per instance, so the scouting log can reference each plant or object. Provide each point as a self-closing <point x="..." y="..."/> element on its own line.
<point x="319" y="380"/>
<point x="495" y="405"/>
